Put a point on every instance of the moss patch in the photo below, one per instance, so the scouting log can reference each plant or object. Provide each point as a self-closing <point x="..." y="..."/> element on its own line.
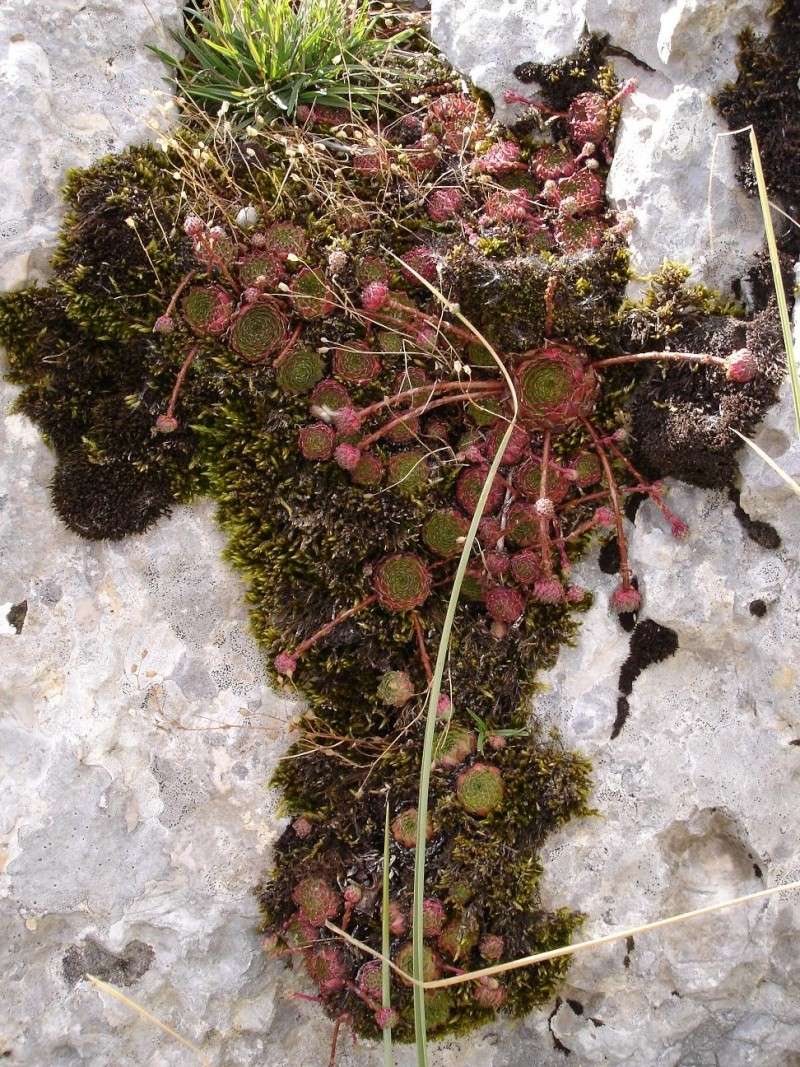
<point x="319" y="500"/>
<point x="765" y="94"/>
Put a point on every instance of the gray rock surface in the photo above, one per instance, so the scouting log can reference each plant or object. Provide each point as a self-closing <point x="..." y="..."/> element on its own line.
<point x="76" y="81"/>
<point x="137" y="733"/>
<point x="696" y="794"/>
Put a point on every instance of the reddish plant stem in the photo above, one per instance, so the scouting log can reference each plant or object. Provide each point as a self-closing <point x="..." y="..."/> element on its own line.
<point x="627" y="87"/>
<point x="423" y="651"/>
<point x="624" y="566"/>
<point x="451" y="969"/>
<point x="420" y="318"/>
<point x="601" y="494"/>
<point x="511" y="96"/>
<point x="587" y="524"/>
<point x="434" y="387"/>
<point x="438" y="324"/>
<point x="215" y="260"/>
<point x="365" y="442"/>
<point x="307" y="996"/>
<point x="329" y="627"/>
<point x="373" y="1005"/>
<point x="586" y="499"/>
<point x="655" y="357"/>
<point x="644" y="486"/>
<point x="345" y="1016"/>
<point x="287" y="348"/>
<point x="176" y="295"/>
<point x="179" y="380"/>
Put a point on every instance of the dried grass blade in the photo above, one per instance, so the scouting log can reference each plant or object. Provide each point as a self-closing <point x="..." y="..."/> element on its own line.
<point x="112" y="991"/>
<point x="436" y="682"/>
<point x="386" y="987"/>
<point x="570" y="950"/>
<point x="777" y="278"/>
<point x="771" y="462"/>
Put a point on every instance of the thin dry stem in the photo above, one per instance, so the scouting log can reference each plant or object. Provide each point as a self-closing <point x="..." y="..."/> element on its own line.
<point x="565" y="950"/>
<point x="112" y="991"/>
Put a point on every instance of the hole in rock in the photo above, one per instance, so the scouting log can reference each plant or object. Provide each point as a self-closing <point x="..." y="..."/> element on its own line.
<point x="709" y="857"/>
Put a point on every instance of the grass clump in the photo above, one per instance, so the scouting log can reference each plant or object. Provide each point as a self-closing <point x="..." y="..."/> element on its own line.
<point x="270" y="58"/>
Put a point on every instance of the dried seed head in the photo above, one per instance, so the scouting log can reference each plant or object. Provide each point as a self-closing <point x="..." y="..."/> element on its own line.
<point x="337" y="261"/>
<point x="164" y="324"/>
<point x="167" y="424"/>
<point x="625" y="598"/>
<point x="741" y="366"/>
<point x="193" y="226"/>
<point x="285" y="663"/>
<point x="347" y="456"/>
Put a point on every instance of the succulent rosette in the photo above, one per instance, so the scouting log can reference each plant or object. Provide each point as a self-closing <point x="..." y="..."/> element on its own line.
<point x="556" y="387"/>
<point x="401" y="582"/>
<point x="258" y="330"/>
<point x="207" y="309"/>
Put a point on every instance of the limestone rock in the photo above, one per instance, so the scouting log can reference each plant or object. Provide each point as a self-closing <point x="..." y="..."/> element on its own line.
<point x="137" y="733"/>
<point x="695" y="798"/>
<point x="77" y="81"/>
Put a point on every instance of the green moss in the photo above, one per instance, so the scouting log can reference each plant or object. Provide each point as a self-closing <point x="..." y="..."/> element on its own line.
<point x="257" y="425"/>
